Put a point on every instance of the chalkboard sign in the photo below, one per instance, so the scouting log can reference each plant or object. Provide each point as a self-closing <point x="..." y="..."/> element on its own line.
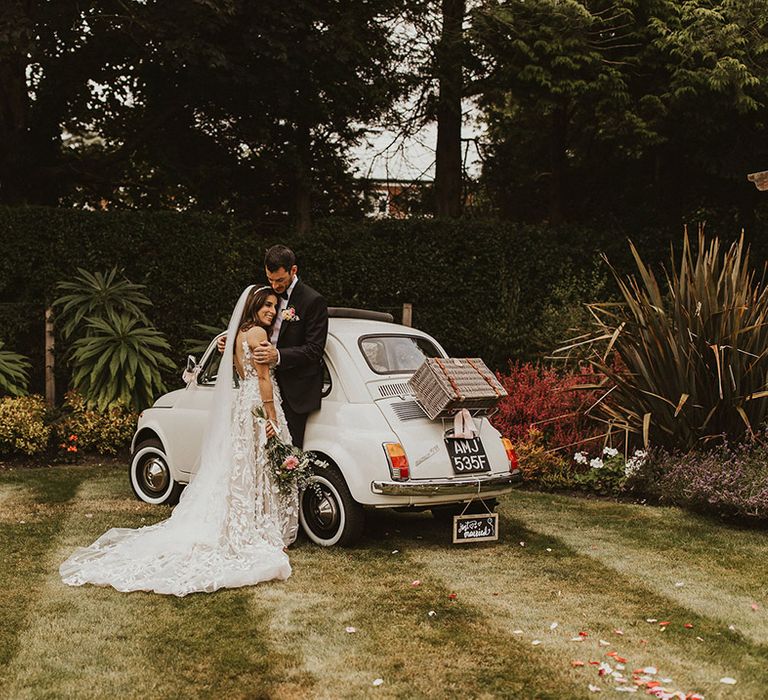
<point x="475" y="528"/>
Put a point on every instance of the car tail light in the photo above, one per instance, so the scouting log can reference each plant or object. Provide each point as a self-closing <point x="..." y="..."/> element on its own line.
<point x="511" y="456"/>
<point x="398" y="462"/>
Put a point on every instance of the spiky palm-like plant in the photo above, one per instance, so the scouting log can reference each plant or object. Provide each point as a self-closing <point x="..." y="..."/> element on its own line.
<point x="119" y="361"/>
<point x="693" y="349"/>
<point x="14" y="372"/>
<point x="197" y="346"/>
<point x="96" y="294"/>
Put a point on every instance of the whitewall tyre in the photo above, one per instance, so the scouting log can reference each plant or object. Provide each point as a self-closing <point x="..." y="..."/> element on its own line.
<point x="332" y="517"/>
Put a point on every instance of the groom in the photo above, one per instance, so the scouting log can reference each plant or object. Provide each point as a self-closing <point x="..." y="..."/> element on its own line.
<point x="297" y="341"/>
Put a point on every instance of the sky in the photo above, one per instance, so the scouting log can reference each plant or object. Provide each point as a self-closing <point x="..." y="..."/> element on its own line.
<point x="385" y="156"/>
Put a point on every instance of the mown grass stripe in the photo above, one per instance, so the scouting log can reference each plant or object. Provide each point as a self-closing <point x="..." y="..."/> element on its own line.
<point x="723" y="568"/>
<point x="97" y="642"/>
<point x="369" y="588"/>
<point x="31" y="517"/>
<point x="535" y="587"/>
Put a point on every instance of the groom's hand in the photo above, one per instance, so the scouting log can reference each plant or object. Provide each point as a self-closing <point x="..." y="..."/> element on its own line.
<point x="265" y="353"/>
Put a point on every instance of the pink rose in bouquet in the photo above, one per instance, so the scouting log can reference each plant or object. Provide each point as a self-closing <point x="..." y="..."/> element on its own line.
<point x="291" y="462"/>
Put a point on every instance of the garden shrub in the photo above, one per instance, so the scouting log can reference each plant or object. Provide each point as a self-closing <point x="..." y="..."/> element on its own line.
<point x="542" y="398"/>
<point x="23" y="429"/>
<point x="541" y="468"/>
<point x="692" y="347"/>
<point x="725" y="480"/>
<point x="105" y="432"/>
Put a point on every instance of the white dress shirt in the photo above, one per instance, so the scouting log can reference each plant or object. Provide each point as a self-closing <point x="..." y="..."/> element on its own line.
<point x="282" y="306"/>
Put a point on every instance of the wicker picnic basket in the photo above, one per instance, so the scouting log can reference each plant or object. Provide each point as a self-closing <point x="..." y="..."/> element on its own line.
<point x="445" y="386"/>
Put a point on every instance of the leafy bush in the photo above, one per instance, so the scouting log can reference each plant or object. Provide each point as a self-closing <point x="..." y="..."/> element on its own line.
<point x="105" y="432"/>
<point x="541" y="468"/>
<point x="14" y="376"/>
<point x="118" y="361"/>
<point x="97" y="295"/>
<point x="544" y="399"/>
<point x="607" y="473"/>
<point x="693" y="348"/>
<point x="726" y="480"/>
<point x="23" y="429"/>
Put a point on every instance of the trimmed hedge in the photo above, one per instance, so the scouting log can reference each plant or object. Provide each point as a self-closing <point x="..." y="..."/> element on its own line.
<point x="484" y="288"/>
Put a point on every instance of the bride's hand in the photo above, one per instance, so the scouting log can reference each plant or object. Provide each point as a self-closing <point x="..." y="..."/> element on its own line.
<point x="271" y="432"/>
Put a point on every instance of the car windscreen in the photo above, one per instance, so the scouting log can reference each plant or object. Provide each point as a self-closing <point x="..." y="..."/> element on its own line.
<point x="396" y="354"/>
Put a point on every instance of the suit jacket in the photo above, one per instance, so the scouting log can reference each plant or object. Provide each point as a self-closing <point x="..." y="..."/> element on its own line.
<point x="301" y="344"/>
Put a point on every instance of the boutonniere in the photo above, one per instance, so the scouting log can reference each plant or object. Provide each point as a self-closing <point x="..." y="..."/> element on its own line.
<point x="289" y="314"/>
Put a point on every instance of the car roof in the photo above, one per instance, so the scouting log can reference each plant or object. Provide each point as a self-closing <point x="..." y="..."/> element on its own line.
<point x="348" y="327"/>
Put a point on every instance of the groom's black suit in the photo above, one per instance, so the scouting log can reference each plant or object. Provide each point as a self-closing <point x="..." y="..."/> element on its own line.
<point x="301" y="344"/>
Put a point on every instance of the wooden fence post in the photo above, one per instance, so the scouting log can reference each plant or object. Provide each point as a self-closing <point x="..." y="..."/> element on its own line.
<point x="408" y="315"/>
<point x="50" y="360"/>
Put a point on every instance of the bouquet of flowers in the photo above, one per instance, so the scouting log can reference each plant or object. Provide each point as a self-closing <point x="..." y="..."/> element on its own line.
<point x="289" y="465"/>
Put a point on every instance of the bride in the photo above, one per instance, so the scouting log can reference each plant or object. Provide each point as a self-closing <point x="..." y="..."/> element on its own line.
<point x="232" y="524"/>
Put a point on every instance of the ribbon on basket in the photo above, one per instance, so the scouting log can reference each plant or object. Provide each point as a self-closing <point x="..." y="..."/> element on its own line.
<point x="464" y="425"/>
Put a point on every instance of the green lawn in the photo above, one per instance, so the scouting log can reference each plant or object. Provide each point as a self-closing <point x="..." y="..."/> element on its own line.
<point x="592" y="567"/>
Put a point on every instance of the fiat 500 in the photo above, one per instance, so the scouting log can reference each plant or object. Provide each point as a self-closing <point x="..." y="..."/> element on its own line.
<point x="381" y="449"/>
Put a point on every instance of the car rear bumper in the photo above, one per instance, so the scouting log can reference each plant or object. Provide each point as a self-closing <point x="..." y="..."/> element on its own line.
<point x="464" y="486"/>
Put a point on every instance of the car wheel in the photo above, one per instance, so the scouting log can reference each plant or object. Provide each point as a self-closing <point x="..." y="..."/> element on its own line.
<point x="328" y="513"/>
<point x="446" y="512"/>
<point x="150" y="475"/>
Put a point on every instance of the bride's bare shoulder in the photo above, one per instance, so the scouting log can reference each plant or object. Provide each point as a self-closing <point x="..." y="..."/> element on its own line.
<point x="255" y="336"/>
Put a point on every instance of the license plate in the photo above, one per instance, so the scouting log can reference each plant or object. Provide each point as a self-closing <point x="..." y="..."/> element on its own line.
<point x="467" y="455"/>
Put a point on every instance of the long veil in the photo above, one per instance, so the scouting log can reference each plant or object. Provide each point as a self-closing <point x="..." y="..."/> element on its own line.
<point x="189" y="551"/>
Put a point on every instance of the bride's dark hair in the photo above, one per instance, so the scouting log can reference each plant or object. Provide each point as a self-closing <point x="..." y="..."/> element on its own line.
<point x="256" y="300"/>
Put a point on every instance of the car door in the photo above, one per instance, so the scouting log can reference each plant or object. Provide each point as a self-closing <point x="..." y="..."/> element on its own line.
<point x="189" y="417"/>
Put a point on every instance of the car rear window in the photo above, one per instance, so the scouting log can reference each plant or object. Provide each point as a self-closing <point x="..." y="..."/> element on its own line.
<point x="395" y="354"/>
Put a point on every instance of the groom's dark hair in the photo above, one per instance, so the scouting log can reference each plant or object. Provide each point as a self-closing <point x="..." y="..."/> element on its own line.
<point x="279" y="256"/>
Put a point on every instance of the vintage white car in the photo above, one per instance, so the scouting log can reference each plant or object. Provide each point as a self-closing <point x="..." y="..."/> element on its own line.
<point x="382" y="450"/>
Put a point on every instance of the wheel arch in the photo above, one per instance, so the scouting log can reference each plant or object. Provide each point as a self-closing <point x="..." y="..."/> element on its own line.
<point x="145" y="433"/>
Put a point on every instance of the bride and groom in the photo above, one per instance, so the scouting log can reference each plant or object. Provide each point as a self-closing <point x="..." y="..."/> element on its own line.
<point x="232" y="523"/>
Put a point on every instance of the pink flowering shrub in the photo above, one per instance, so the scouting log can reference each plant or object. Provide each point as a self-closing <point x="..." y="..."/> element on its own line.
<point x="544" y="399"/>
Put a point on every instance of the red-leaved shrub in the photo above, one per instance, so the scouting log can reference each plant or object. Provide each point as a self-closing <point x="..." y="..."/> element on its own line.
<point x="543" y="398"/>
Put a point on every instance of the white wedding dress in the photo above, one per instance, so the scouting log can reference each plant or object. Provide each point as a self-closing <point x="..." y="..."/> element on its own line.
<point x="231" y="523"/>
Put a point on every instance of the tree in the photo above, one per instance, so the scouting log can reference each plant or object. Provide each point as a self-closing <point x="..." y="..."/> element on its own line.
<point x="224" y="105"/>
<point x="597" y="108"/>
<point x="449" y="59"/>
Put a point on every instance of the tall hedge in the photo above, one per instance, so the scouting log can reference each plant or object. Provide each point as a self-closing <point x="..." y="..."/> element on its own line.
<point x="480" y="287"/>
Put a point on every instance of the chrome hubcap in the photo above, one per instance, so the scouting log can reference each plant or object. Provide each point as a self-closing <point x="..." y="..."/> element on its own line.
<point x="326" y="512"/>
<point x="156" y="476"/>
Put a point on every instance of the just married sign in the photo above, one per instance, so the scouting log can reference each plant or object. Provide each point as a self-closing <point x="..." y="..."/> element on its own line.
<point x="475" y="528"/>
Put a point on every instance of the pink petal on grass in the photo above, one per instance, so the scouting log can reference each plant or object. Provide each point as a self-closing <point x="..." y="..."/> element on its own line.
<point x="416" y="583"/>
<point x="350" y="630"/>
<point x="377" y="682"/>
<point x="728" y="681"/>
<point x="594" y="688"/>
<point x="754" y="606"/>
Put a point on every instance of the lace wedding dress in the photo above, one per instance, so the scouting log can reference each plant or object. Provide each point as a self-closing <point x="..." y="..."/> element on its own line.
<point x="231" y="523"/>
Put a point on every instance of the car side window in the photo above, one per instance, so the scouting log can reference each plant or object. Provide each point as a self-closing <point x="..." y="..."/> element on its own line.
<point x="210" y="369"/>
<point x="327" y="383"/>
